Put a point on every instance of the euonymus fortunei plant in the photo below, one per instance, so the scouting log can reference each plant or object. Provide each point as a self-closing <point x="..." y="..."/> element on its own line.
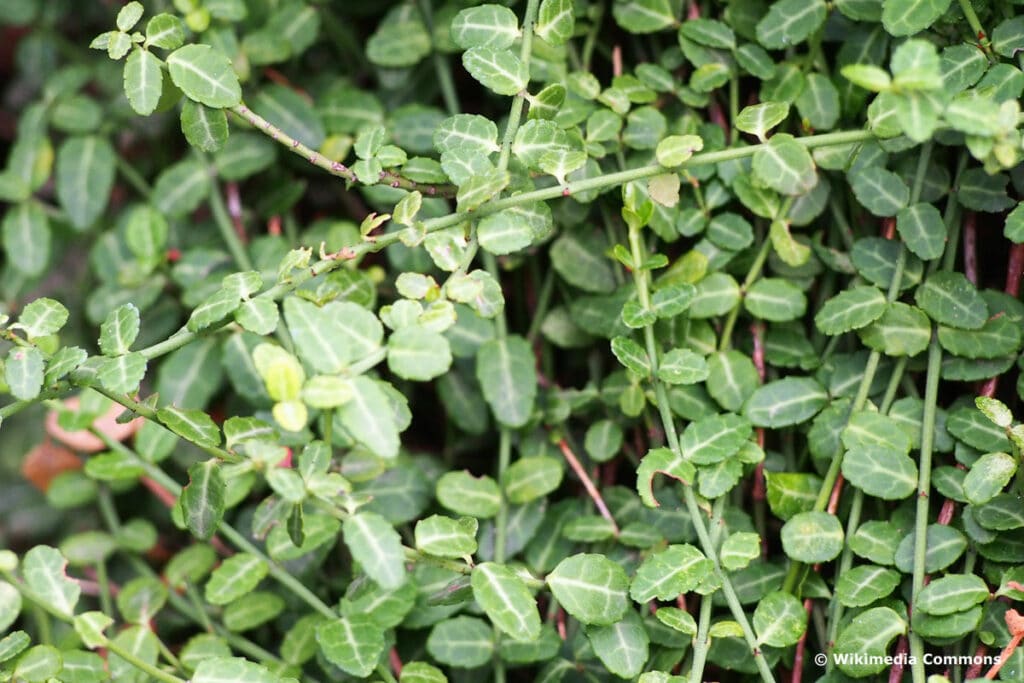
<point x="536" y="340"/>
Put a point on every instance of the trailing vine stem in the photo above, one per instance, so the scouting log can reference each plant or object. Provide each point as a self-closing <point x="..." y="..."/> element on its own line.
<point x="640" y="279"/>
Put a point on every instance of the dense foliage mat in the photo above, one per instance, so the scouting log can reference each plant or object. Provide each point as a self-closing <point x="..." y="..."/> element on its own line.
<point x="542" y="340"/>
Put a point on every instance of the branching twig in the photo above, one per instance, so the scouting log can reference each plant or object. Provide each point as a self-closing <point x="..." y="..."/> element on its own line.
<point x="588" y="484"/>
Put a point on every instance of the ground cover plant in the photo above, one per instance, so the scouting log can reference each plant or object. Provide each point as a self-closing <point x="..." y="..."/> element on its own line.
<point x="543" y="340"/>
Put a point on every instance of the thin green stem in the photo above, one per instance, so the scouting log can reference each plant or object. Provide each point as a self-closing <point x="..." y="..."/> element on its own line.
<point x="334" y="261"/>
<point x="237" y="539"/>
<point x="515" y="115"/>
<point x="640" y="279"/>
<point x="106" y="604"/>
<point x="134" y="178"/>
<point x="931" y="394"/>
<point x="755" y="272"/>
<point x="543" y="303"/>
<point x="702" y="642"/>
<point x="979" y="33"/>
<point x="141" y="665"/>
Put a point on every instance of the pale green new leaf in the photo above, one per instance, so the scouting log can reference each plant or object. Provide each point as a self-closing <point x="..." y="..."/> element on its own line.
<point x="419" y="354"/>
<point x="143" y="81"/>
<point x="231" y="670"/>
<point x="43" y="570"/>
<point x="23" y="372"/>
<point x="506" y="600"/>
<point x="591" y="588"/>
<point x="377" y="547"/>
<point x="758" y="119"/>
<point x="122" y="374"/>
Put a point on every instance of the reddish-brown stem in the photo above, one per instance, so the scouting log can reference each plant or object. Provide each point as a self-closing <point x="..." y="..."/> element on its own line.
<point x="896" y="672"/>
<point x="975" y="669"/>
<point x="588" y="484"/>
<point x="617" y="61"/>
<point x="946" y="512"/>
<point x="1014" y="270"/>
<point x="801" y="649"/>
<point x="234" y="202"/>
<point x="560" y="623"/>
<point x="837" y="491"/>
<point x="396" y="662"/>
<point x="971" y="247"/>
<point x="1004" y="656"/>
<point x="889" y="228"/>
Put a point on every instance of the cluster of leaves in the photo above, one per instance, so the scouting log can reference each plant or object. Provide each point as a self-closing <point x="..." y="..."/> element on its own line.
<point x="611" y="377"/>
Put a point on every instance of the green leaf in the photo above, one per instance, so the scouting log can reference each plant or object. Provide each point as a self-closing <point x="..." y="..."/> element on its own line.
<point x="85" y="176"/>
<point x="291" y="112"/>
<point x="668" y="573"/>
<point x="863" y="585"/>
<point x="193" y="425"/>
<point x="682" y="366"/>
<point x="812" y="537"/>
<point x="489" y="25"/>
<point x="508" y="378"/>
<point x="10" y="605"/>
<point x="165" y="31"/>
<point x="865" y="641"/>
<point x="143" y="81"/>
<point x="353" y="643"/>
<point x="591" y="588"/>
<point x="790" y="22"/>
<point x="779" y="619"/>
<point x="231" y="670"/>
<point x="881" y="472"/>
<point x="556" y="21"/>
<point x="205" y="129"/>
<point x="881" y="192"/>
<point x="717" y="294"/>
<point x="644" y="16"/>
<point x="623" y="647"/>
<point x="465" y="494"/>
<point x="714" y="438"/>
<point x="952" y="593"/>
<point x="42" y="317"/>
<point x="122" y="374"/>
<point x="987" y="477"/>
<point x="43" y="570"/>
<point x="907" y="17"/>
<point x="399" y="42"/>
<point x="818" y="104"/>
<point x="505" y="232"/>
<point x="674" y="150"/>
<point x="205" y="75"/>
<point x="446" y="537"/>
<point x="732" y="378"/>
<point x="775" y="299"/>
<point x="368" y="417"/>
<point x="129" y="15"/>
<point x="739" y="550"/>
<point x="951" y="299"/>
<point x="785" y="166"/>
<point x="785" y="402"/>
<point x="758" y="119"/>
<point x="466" y="133"/>
<point x="236" y="577"/>
<point x="259" y="316"/>
<point x="465" y="642"/>
<point x="23" y="372"/>
<point x="631" y="355"/>
<point x="661" y="461"/>
<point x="580" y="261"/>
<point x="922" y="230"/>
<point x="506" y="600"/>
<point x="901" y="331"/>
<point x="26" y="238"/>
<point x="867" y="76"/>
<point x="851" y="309"/>
<point x="181" y="187"/>
<point x="332" y="336"/>
<point x="377" y="547"/>
<point x="90" y="626"/>
<point x="119" y="330"/>
<point x="944" y="546"/>
<point x="532" y="477"/>
<point x="498" y="70"/>
<point x="203" y="499"/>
<point x="481" y="187"/>
<point x="38" y="664"/>
<point x="419" y="354"/>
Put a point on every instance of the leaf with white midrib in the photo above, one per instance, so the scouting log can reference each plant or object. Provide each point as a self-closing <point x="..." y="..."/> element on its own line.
<point x="194" y="425"/>
<point x="506" y="600"/>
<point x="202" y="501"/>
<point x="43" y="569"/>
<point x="591" y="588"/>
<point x="204" y="74"/>
<point x="353" y="643"/>
<point x="508" y="379"/>
<point x="369" y="419"/>
<point x="235" y="577"/>
<point x="377" y="547"/>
